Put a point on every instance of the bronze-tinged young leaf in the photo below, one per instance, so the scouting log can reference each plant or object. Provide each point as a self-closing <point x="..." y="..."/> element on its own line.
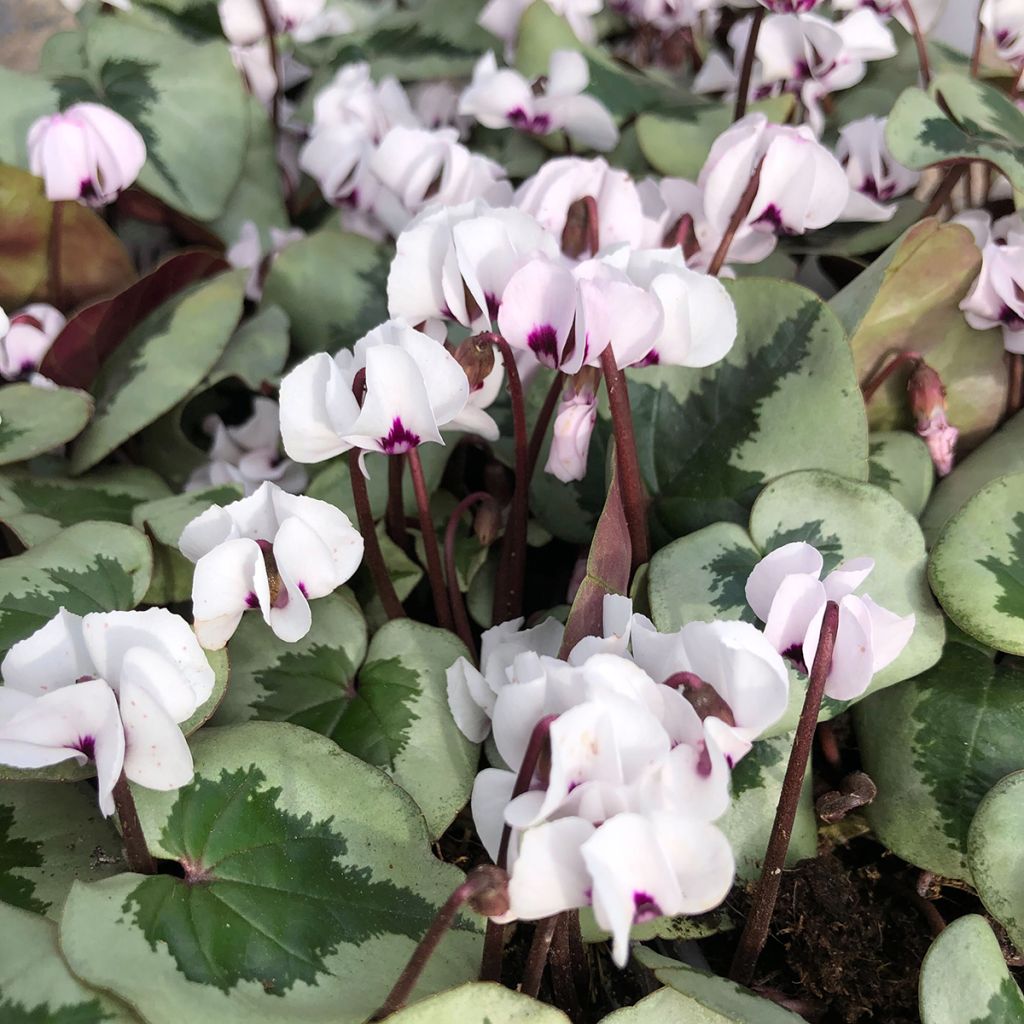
<point x="95" y="332"/>
<point x="93" y="263"/>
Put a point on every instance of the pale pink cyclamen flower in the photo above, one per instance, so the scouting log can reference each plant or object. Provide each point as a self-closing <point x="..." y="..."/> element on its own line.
<point x="1004" y="23"/>
<point x="273" y="551"/>
<point x="30" y="333"/>
<point x="571" y="434"/>
<point x="997" y="296"/>
<point x="927" y="12"/>
<point x="248" y="454"/>
<point x="928" y="404"/>
<point x="109" y="687"/>
<point x="875" y="177"/>
<point x="500" y="98"/>
<point x="243" y="21"/>
<point x="414" y="388"/>
<point x="248" y="252"/>
<point x="501" y="17"/>
<point x="787" y="594"/>
<point x="87" y="153"/>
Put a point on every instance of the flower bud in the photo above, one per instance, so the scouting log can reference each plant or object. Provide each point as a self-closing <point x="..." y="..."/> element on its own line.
<point x="477" y="359"/>
<point x="703" y="697"/>
<point x="487" y="521"/>
<point x="927" y="396"/>
<point x="570" y="442"/>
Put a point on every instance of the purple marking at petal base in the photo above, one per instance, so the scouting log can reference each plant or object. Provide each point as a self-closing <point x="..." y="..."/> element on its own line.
<point x="493" y="305"/>
<point x="646" y="907"/>
<point x="87" y="745"/>
<point x="399" y="440"/>
<point x="302" y="589"/>
<point x="543" y="342"/>
<point x="703" y="761"/>
<point x="251" y="600"/>
<point x="795" y="654"/>
<point x="772" y="216"/>
<point x="651" y="359"/>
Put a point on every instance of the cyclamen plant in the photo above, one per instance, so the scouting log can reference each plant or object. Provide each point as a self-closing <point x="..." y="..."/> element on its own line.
<point x="513" y="510"/>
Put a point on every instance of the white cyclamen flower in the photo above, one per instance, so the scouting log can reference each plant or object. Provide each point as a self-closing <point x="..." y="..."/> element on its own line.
<point x="30" y="333"/>
<point x="875" y="177"/>
<point x="244" y="23"/>
<point x="273" y="551"/>
<point x="111" y="687"/>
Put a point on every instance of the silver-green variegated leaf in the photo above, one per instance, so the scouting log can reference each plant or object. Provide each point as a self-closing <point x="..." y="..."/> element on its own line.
<point x="481" y="1002"/>
<point x="35" y="508"/>
<point x="669" y="1005"/>
<point x="934" y="747"/>
<point x="159" y="363"/>
<point x="308" y="882"/>
<point x="703" y="576"/>
<point x="996" y="856"/>
<point x="398" y="719"/>
<point x="900" y="464"/>
<point x="713" y="1000"/>
<point x="964" y="978"/>
<point x="256" y="353"/>
<point x="332" y="286"/>
<point x="35" y="420"/>
<point x="976" y="568"/>
<point x="52" y="834"/>
<point x="36" y="986"/>
<point x="89" y="567"/>
<point x="162" y="521"/>
<point x="195" y="149"/>
<point x="959" y="118"/>
<point x="26" y="98"/>
<point x="1002" y="453"/>
<point x="307" y="683"/>
<point x="785" y="398"/>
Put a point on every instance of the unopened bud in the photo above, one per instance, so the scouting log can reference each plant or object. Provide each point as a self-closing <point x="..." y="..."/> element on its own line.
<point x="585" y="381"/>
<point x="477" y="360"/>
<point x="927" y="395"/>
<point x="489" y="890"/>
<point x="487" y="522"/>
<point x="856" y="790"/>
<point x="703" y="697"/>
<point x="578" y="233"/>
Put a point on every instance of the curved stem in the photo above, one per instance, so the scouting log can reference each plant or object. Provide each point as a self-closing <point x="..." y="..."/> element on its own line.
<point x="868" y="390"/>
<point x="371" y="545"/>
<point x="136" y="852"/>
<point x="755" y="931"/>
<point x="634" y="501"/>
<point x="920" y="42"/>
<point x="462" y="626"/>
<point x="419" y="483"/>
<point x="743" y="89"/>
<point x="540" y="428"/>
<point x="538" y="955"/>
<point x="494" y="950"/>
<point x="739" y="215"/>
<point x="394" y="516"/>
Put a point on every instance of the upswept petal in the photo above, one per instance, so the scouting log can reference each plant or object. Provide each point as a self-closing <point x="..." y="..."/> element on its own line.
<point x="311" y="409"/>
<point x="767" y="576"/>
<point x="227" y="580"/>
<point x="53" y="656"/>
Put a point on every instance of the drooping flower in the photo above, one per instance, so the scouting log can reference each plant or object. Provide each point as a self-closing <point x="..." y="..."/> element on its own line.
<point x="413" y="388"/>
<point x="354" y="98"/>
<point x="1004" y="23"/>
<point x="30" y="333"/>
<point x="112" y="687"/>
<point x="570" y="436"/>
<point x="454" y="262"/>
<point x="502" y="17"/>
<point x="927" y="396"/>
<point x="997" y="296"/>
<point x="500" y="98"/>
<point x="875" y="177"/>
<point x="273" y="551"/>
<point x="248" y="453"/>
<point x="787" y="594"/>
<point x="88" y="153"/>
<point x="247" y="252"/>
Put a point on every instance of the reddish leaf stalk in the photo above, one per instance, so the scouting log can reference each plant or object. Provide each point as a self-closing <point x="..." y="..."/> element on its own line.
<point x="919" y="42"/>
<point x="634" y="500"/>
<point x="755" y="931"/>
<point x="136" y="852"/>
<point x="508" y="590"/>
<point x="540" y="428"/>
<point x="434" y="571"/>
<point x="868" y="389"/>
<point x="743" y="89"/>
<point x="477" y="883"/>
<point x="743" y="207"/>
<point x="372" y="553"/>
<point x="462" y="626"/>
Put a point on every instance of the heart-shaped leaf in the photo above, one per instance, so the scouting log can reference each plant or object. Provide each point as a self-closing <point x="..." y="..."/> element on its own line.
<point x="308" y="880"/>
<point x="479" y="1003"/>
<point x="964" y="978"/>
<point x="89" y="567"/>
<point x="995" y="854"/>
<point x="160" y="361"/>
<point x="977" y="565"/>
<point x="35" y="420"/>
<point x="934" y="747"/>
<point x="52" y="834"/>
<point x="900" y="464"/>
<point x="669" y="1005"/>
<point x="36" y="986"/>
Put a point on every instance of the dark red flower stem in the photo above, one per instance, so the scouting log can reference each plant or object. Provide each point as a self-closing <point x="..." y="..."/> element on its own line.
<point x="634" y="499"/>
<point x="462" y="625"/>
<point x="743" y="207"/>
<point x="394" y="516"/>
<point x="54" y="255"/>
<point x="870" y="387"/>
<point x="476" y="883"/>
<point x="743" y="89"/>
<point x="755" y="931"/>
<point x="540" y="428"/>
<point x="434" y="571"/>
<point x="1015" y="384"/>
<point x="275" y="102"/>
<point x="945" y="188"/>
<point x="136" y="852"/>
<point x="538" y="955"/>
<point x="508" y="590"/>
<point x="372" y="553"/>
<point x="494" y="941"/>
<point x="920" y="42"/>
